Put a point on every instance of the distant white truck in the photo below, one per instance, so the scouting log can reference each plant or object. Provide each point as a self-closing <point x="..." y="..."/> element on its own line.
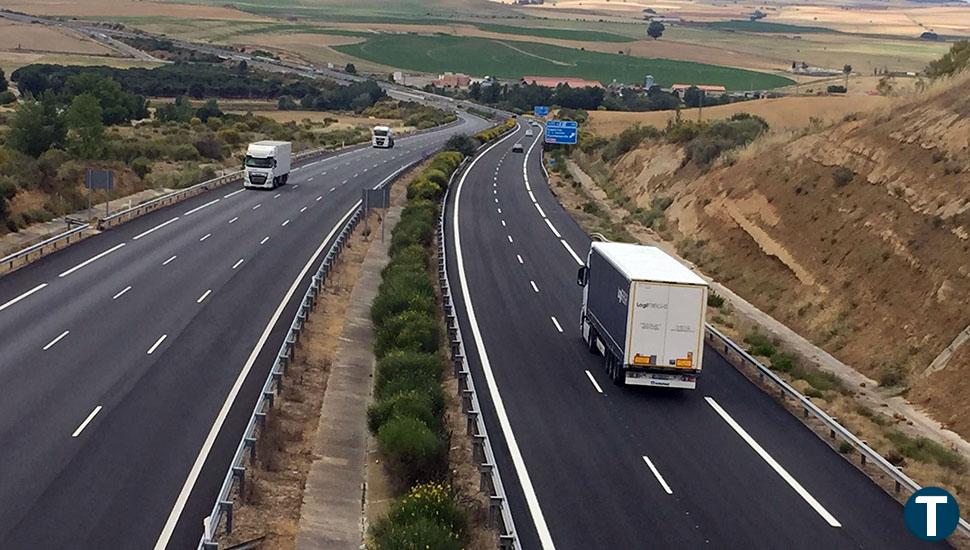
<point x="267" y="164"/>
<point x="644" y="312"/>
<point x="382" y="137"/>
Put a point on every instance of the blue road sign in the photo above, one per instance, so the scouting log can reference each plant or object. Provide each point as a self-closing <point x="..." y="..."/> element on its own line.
<point x="561" y="131"/>
<point x="540" y="110"/>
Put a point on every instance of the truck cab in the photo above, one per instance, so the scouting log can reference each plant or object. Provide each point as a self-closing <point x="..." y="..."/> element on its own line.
<point x="267" y="164"/>
<point x="382" y="137"/>
<point x="643" y="311"/>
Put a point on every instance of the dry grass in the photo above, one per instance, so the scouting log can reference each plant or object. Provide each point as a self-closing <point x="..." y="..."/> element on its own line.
<point x="782" y="113"/>
<point x="275" y="483"/>
<point x="23" y="37"/>
<point x="127" y="8"/>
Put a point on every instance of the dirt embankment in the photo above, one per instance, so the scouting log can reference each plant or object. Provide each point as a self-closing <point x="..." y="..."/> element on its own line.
<point x="856" y="235"/>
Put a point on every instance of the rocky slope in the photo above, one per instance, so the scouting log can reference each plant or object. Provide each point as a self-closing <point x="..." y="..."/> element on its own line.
<point x="856" y="235"/>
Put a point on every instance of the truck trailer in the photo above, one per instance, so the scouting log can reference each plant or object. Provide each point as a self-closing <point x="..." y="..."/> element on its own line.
<point x="267" y="164"/>
<point x="644" y="312"/>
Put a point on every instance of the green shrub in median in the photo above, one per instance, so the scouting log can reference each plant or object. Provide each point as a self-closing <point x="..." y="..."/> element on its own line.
<point x="396" y="370"/>
<point x="429" y="516"/>
<point x="403" y="290"/>
<point x="416" y="226"/>
<point x="414" y="452"/>
<point x="407" y="331"/>
<point x="409" y="404"/>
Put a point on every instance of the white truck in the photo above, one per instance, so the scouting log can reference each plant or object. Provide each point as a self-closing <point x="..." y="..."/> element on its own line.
<point x="267" y="164"/>
<point x="644" y="312"/>
<point x="381" y="136"/>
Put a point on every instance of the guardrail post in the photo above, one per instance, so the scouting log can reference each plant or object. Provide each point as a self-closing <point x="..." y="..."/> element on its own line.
<point x="239" y="472"/>
<point x="226" y="507"/>
<point x="250" y="443"/>
<point x="506" y="542"/>
<point x="478" y="448"/>
<point x="495" y="503"/>
<point x="457" y="362"/>
<point x="485" y="476"/>
<point x="471" y="422"/>
<point x="466" y="400"/>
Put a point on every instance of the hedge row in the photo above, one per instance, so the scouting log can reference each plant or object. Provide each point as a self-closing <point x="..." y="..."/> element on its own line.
<point x="407" y="413"/>
<point x="407" y="416"/>
<point x="495" y="131"/>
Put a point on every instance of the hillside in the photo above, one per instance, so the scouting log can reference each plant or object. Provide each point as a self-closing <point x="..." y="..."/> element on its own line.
<point x="856" y="235"/>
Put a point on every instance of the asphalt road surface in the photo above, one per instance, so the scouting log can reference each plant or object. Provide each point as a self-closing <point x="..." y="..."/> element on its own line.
<point x="591" y="465"/>
<point x="132" y="360"/>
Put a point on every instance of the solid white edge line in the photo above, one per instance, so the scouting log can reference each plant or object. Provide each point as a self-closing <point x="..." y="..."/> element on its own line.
<point x="157" y="343"/>
<point x="593" y="380"/>
<point x="56" y="340"/>
<point x="545" y="538"/>
<point x="87" y="421"/>
<point x="571" y="252"/>
<point x="154" y="229"/>
<point x="197" y="208"/>
<point x="90" y="260"/>
<point x="193" y="475"/>
<point x="22" y="296"/>
<point x="656" y="472"/>
<point x="120" y="294"/>
<point x="237" y="264"/>
<point x="204" y="296"/>
<point x="778" y="468"/>
<point x="556" y="322"/>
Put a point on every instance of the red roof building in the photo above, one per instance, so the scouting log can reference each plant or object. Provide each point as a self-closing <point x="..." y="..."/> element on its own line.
<point x="554" y="81"/>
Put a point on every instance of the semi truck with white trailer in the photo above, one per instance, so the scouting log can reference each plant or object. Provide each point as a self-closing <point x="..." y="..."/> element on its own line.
<point x="382" y="137"/>
<point x="644" y="312"/>
<point x="267" y="164"/>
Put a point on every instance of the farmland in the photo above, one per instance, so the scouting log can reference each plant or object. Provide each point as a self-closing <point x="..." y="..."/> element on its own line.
<point x="511" y="59"/>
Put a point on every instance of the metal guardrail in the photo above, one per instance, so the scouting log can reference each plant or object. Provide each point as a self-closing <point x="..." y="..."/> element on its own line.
<point x="490" y="483"/>
<point x="725" y="347"/>
<point x="34" y="251"/>
<point x="236" y="475"/>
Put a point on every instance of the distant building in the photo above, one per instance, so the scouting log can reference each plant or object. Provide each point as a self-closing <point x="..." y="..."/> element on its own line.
<point x="554" y="81"/>
<point x="714" y="89"/>
<point x="452" y="80"/>
<point x="527" y="2"/>
<point x="648" y="82"/>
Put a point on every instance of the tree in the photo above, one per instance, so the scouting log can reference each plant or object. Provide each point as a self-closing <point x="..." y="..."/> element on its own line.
<point x="350" y="68"/>
<point x="693" y="96"/>
<point x="846" y="70"/>
<point x="461" y="143"/>
<point x="180" y="111"/>
<point x="210" y="109"/>
<point x="83" y="119"/>
<point x="243" y="67"/>
<point x="655" y="29"/>
<point x="954" y="61"/>
<point x="4" y="85"/>
<point x="36" y="127"/>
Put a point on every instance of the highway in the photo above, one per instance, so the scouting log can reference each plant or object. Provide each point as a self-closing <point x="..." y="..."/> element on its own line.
<point x="131" y="361"/>
<point x="590" y="465"/>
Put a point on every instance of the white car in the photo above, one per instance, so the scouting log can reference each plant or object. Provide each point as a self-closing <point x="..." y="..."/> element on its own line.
<point x="517" y="148"/>
<point x="528" y="133"/>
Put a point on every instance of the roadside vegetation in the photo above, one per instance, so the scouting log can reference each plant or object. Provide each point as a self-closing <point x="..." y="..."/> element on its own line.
<point x="71" y="119"/>
<point x="408" y="414"/>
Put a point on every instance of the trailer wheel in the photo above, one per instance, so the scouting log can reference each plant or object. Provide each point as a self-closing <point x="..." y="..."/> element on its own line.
<point x="614" y="370"/>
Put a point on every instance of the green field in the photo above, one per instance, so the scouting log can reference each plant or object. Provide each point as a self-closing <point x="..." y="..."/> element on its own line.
<point x="763" y="27"/>
<point x="559" y="34"/>
<point x="512" y="59"/>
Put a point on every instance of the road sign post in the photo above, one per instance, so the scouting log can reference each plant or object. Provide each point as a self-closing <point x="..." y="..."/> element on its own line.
<point x="99" y="179"/>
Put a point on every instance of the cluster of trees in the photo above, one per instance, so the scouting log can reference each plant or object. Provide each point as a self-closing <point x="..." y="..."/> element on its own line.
<point x="525" y="96"/>
<point x="654" y="100"/>
<point x="199" y="81"/>
<point x="168" y="50"/>
<point x="954" y="61"/>
<point x="6" y="96"/>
